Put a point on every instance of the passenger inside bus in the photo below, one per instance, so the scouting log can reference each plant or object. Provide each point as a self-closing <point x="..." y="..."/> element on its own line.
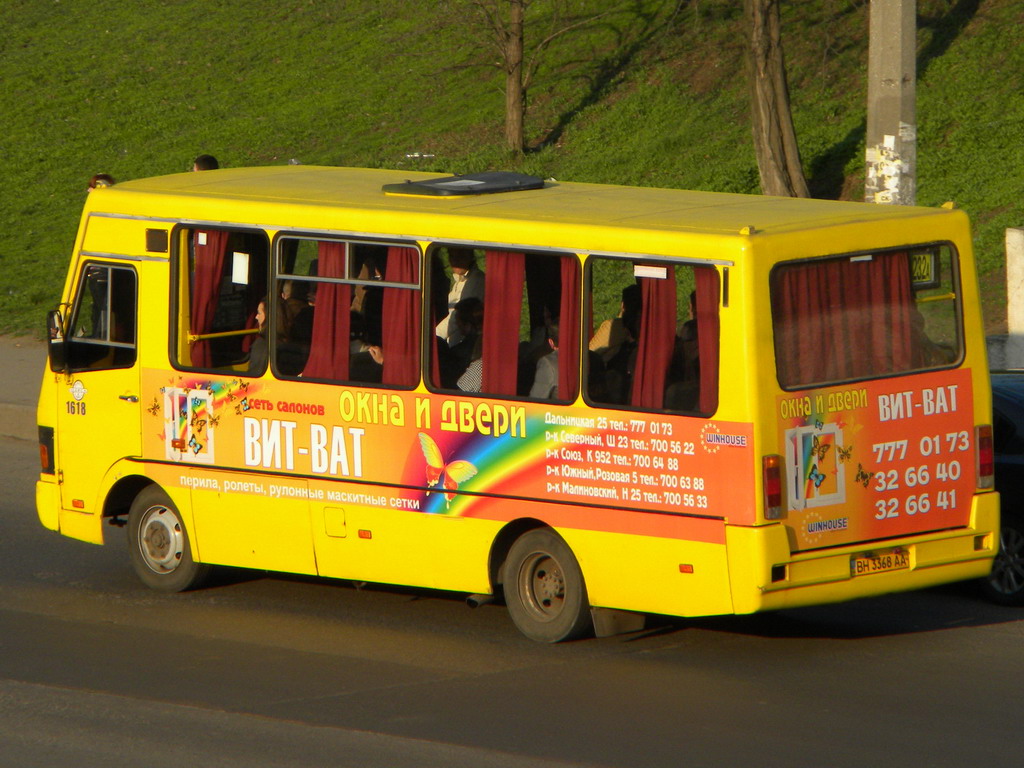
<point x="291" y="304"/>
<point x="366" y="360"/>
<point x="615" y="342"/>
<point x="927" y="353"/>
<point x="258" y="351"/>
<point x="369" y="263"/>
<point x="455" y="360"/>
<point x="293" y="348"/>
<point x="545" y="380"/>
<point x="684" y="371"/>
<point x="467" y="282"/>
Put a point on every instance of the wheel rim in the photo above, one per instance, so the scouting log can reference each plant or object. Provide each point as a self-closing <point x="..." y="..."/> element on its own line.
<point x="542" y="586"/>
<point x="161" y="539"/>
<point x="1008" y="569"/>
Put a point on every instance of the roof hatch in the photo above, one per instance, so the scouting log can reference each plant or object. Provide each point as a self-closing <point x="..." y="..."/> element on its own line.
<point x="485" y="183"/>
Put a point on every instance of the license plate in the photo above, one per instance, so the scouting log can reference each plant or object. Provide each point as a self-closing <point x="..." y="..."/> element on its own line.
<point x="879" y="562"/>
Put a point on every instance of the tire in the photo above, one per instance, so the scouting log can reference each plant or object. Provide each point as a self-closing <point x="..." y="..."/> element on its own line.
<point x="544" y="588"/>
<point x="158" y="544"/>
<point x="1005" y="585"/>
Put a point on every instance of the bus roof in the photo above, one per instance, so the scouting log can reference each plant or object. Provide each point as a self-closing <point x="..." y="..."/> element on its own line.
<point x="668" y="211"/>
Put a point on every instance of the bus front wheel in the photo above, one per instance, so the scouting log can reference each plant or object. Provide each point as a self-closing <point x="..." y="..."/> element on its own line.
<point x="158" y="544"/>
<point x="544" y="588"/>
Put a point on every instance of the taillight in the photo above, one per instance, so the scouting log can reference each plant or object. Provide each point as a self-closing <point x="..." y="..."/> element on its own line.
<point x="771" y="472"/>
<point x="46" y="450"/>
<point x="985" y="456"/>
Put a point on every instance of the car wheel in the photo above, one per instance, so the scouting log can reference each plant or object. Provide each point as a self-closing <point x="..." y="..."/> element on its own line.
<point x="1005" y="585"/>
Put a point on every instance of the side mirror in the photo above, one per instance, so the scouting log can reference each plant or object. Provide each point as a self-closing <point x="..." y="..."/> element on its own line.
<point x="55" y="345"/>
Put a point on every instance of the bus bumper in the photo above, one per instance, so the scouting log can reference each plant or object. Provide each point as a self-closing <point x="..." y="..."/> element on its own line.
<point x="83" y="526"/>
<point x="48" y="503"/>
<point x="766" y="576"/>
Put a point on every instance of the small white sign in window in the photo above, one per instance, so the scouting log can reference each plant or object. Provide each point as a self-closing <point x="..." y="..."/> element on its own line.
<point x="240" y="268"/>
<point x="646" y="270"/>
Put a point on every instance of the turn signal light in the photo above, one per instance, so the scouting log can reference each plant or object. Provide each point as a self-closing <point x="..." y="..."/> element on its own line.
<point x="985" y="454"/>
<point x="46" y="450"/>
<point x="771" y="471"/>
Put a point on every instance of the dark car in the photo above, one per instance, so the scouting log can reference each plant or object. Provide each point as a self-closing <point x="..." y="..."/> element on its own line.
<point x="1006" y="584"/>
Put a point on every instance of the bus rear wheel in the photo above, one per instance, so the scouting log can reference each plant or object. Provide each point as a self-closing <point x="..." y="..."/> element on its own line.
<point x="544" y="588"/>
<point x="158" y="544"/>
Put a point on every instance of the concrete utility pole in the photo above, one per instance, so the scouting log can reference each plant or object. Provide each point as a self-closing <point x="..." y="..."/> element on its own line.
<point x="892" y="90"/>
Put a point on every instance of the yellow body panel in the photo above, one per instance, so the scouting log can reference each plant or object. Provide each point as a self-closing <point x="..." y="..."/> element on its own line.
<point x="653" y="575"/>
<point x="401" y="547"/>
<point x="48" y="504"/>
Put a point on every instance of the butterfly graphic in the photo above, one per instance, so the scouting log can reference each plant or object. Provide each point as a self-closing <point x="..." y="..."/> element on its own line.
<point x="154" y="409"/>
<point x="214" y="420"/>
<point x="449" y="475"/>
<point x="819" y="449"/>
<point x="863" y="477"/>
<point x="818" y="425"/>
<point x="816" y="477"/>
<point x="844" y="453"/>
<point x="195" y="445"/>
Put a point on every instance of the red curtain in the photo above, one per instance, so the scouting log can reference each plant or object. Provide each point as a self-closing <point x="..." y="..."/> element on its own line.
<point x="569" y="331"/>
<point x="657" y="339"/>
<point x="707" y="337"/>
<point x="208" y="249"/>
<point x="503" y="299"/>
<point x="400" y="331"/>
<point x="843" y="319"/>
<point x="329" y="349"/>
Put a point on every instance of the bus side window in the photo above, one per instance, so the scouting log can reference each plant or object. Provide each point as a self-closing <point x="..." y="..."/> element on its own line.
<point x="501" y="331"/>
<point x="347" y="312"/>
<point x="657" y="346"/>
<point x="102" y="331"/>
<point x="222" y="278"/>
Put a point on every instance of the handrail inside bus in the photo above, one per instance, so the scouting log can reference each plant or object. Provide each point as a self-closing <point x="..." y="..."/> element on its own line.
<point x="940" y="297"/>
<point x="194" y="337"/>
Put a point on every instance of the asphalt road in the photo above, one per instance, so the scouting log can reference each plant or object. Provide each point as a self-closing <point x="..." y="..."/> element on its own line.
<point x="272" y="671"/>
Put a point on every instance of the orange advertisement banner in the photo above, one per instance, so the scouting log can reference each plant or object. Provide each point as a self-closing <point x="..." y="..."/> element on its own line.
<point x="878" y="459"/>
<point x="439" y="454"/>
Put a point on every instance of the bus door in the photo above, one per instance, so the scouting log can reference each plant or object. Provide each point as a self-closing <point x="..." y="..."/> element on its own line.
<point x="214" y="415"/>
<point x="98" y="419"/>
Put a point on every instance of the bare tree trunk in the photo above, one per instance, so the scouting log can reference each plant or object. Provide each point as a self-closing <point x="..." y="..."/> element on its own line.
<point x="515" y="96"/>
<point x="778" y="156"/>
<point x="502" y="24"/>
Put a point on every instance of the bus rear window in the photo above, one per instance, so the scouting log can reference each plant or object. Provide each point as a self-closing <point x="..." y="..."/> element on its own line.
<point x="866" y="315"/>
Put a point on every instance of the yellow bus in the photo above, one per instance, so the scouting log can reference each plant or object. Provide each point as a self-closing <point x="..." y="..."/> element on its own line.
<point x="594" y="402"/>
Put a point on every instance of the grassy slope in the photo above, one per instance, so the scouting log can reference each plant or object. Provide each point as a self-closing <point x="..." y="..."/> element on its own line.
<point x="650" y="95"/>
